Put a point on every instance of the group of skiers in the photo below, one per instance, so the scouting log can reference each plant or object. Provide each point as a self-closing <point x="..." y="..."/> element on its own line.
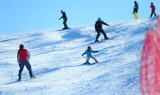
<point x="23" y="55"/>
<point x="135" y="10"/>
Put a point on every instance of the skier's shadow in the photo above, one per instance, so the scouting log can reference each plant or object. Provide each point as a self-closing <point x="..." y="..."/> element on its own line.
<point x="44" y="71"/>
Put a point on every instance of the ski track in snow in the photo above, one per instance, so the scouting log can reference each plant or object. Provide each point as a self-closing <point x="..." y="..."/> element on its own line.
<point x="56" y="55"/>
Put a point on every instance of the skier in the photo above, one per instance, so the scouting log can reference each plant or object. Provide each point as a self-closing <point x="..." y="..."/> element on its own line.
<point x="23" y="59"/>
<point x="64" y="16"/>
<point x="153" y="8"/>
<point x="89" y="52"/>
<point x="135" y="10"/>
<point x="99" y="29"/>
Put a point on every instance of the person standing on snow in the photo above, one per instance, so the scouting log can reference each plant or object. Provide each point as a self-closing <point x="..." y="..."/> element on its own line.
<point x="89" y="52"/>
<point x="135" y="10"/>
<point x="153" y="8"/>
<point x="99" y="29"/>
<point x="23" y="59"/>
<point x="64" y="16"/>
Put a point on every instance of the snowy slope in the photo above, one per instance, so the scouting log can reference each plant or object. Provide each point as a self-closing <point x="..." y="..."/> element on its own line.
<point x="56" y="58"/>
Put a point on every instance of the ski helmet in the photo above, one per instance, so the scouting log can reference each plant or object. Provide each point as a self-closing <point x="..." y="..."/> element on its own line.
<point x="89" y="48"/>
<point x="99" y="18"/>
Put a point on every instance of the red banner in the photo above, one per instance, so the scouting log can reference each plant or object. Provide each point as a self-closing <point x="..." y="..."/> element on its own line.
<point x="150" y="62"/>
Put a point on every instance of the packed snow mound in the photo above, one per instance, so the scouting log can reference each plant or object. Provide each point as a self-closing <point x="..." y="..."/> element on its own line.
<point x="56" y="59"/>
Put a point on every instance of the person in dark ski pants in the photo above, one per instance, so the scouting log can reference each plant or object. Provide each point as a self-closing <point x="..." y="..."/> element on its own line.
<point x="23" y="59"/>
<point x="89" y="52"/>
<point x="135" y="10"/>
<point x="64" y="16"/>
<point x="99" y="29"/>
<point x="153" y="8"/>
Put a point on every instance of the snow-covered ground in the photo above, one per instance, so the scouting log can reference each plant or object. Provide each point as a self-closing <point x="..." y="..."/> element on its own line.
<point x="56" y="57"/>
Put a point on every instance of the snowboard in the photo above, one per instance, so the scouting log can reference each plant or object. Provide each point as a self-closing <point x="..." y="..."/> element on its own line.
<point x="101" y="41"/>
<point x="89" y="63"/>
<point x="63" y="29"/>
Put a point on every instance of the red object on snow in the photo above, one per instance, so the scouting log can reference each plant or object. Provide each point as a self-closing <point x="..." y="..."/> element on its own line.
<point x="150" y="62"/>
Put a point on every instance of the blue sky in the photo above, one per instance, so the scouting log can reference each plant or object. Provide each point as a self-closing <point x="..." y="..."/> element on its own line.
<point x="29" y="15"/>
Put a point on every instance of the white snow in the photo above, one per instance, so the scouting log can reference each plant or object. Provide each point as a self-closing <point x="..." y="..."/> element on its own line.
<point x="56" y="58"/>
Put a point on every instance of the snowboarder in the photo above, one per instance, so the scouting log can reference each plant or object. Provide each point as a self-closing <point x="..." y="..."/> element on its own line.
<point x="99" y="29"/>
<point x="153" y="8"/>
<point x="23" y="59"/>
<point x="64" y="16"/>
<point x="89" y="52"/>
<point x="135" y="10"/>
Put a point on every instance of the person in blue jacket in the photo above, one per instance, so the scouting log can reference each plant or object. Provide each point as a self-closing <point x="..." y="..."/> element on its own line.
<point x="89" y="52"/>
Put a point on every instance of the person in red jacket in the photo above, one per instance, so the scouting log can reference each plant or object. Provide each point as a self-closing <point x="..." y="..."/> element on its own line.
<point x="153" y="8"/>
<point x="23" y="56"/>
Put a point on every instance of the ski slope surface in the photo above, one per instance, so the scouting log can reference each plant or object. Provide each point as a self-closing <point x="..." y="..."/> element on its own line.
<point x="56" y="59"/>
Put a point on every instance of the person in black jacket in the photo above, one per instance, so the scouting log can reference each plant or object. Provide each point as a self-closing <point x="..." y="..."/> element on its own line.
<point x="64" y="16"/>
<point x="99" y="29"/>
<point x="135" y="10"/>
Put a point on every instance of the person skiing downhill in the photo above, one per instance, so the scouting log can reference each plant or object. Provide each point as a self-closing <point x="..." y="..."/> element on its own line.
<point x="23" y="57"/>
<point x="64" y="16"/>
<point x="135" y="10"/>
<point x="99" y="29"/>
<point x="89" y="52"/>
<point x="153" y="8"/>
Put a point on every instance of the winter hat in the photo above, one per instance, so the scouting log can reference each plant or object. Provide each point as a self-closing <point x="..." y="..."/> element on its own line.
<point x="99" y="18"/>
<point x="21" y="46"/>
<point x="89" y="48"/>
<point x="135" y="2"/>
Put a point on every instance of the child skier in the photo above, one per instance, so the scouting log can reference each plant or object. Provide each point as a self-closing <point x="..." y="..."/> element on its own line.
<point x="89" y="52"/>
